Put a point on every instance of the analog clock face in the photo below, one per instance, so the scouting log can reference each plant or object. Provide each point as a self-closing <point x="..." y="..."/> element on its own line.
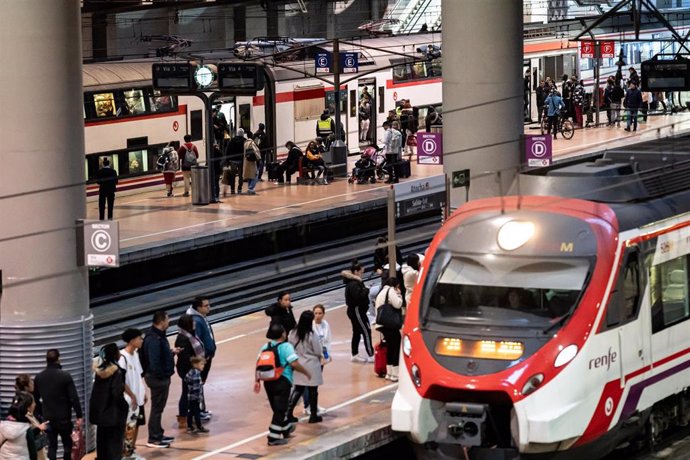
<point x="203" y="77"/>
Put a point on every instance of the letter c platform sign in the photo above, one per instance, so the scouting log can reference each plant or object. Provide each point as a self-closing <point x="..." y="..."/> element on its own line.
<point x="99" y="244"/>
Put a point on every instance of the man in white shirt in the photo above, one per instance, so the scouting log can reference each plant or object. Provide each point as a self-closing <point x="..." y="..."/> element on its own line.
<point x="135" y="390"/>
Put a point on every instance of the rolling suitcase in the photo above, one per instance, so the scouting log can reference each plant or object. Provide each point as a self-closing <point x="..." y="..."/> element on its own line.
<point x="273" y="171"/>
<point x="380" y="359"/>
<point x="405" y="169"/>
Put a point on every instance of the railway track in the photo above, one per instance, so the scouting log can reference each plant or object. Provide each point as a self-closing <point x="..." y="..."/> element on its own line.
<point x="246" y="287"/>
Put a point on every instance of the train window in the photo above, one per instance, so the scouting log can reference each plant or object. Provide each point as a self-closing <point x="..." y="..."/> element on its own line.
<point x="669" y="293"/>
<point x="416" y="70"/>
<point x="137" y="161"/>
<point x="134" y="102"/>
<point x="104" y="105"/>
<point x="512" y="291"/>
<point x="160" y="103"/>
<point x="196" y="125"/>
<point x="624" y="302"/>
<point x="330" y="101"/>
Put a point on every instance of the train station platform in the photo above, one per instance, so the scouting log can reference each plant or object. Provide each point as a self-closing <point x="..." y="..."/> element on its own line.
<point x="357" y="403"/>
<point x="152" y="224"/>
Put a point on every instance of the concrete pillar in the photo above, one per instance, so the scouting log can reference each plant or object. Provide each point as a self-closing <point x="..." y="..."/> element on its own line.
<point x="239" y="19"/>
<point x="272" y="29"/>
<point x="44" y="301"/>
<point x="482" y="93"/>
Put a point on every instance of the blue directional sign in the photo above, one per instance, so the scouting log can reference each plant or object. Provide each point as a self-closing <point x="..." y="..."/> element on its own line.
<point x="349" y="62"/>
<point x="322" y="62"/>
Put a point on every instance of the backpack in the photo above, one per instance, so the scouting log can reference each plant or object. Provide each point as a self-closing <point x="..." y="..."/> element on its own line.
<point x="268" y="366"/>
<point x="189" y="157"/>
<point x="249" y="154"/>
<point x="163" y="161"/>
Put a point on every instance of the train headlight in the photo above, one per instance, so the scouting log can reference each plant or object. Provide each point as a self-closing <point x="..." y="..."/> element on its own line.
<point x="416" y="375"/>
<point x="407" y="345"/>
<point x="565" y="356"/>
<point x="514" y="234"/>
<point x="532" y="384"/>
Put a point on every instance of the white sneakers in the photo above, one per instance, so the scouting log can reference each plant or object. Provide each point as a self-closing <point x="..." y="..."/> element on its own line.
<point x="362" y="359"/>
<point x="392" y="373"/>
<point x="320" y="410"/>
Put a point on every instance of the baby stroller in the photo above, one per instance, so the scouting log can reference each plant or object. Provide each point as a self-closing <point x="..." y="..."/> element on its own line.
<point x="365" y="168"/>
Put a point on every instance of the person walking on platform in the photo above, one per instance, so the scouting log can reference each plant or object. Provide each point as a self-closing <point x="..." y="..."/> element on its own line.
<point x="108" y="407"/>
<point x="261" y="141"/>
<point x="390" y="294"/>
<point x="633" y="102"/>
<point x="56" y="397"/>
<point x="578" y="102"/>
<point x="190" y="346"/>
<point x="107" y="181"/>
<point x="252" y="156"/>
<point x="168" y="162"/>
<point x="234" y="155"/>
<point x="357" y="300"/>
<point x="135" y="390"/>
<point x="278" y="391"/>
<point x="158" y="364"/>
<point x="310" y="352"/>
<point x="189" y="156"/>
<point x="281" y="312"/>
<point x="325" y="128"/>
<point x="554" y="105"/>
<point x="199" y="311"/>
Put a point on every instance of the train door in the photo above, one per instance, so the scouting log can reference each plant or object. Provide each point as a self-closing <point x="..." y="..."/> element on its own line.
<point x="245" y="117"/>
<point x="623" y="315"/>
<point x="366" y="111"/>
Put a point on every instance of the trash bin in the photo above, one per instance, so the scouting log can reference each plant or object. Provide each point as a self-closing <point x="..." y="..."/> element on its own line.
<point x="201" y="185"/>
<point x="339" y="158"/>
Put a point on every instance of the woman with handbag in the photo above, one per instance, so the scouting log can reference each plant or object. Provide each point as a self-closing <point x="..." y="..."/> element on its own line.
<point x="389" y="320"/>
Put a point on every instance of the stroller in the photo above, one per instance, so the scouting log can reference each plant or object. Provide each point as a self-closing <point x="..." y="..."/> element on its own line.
<point x="365" y="168"/>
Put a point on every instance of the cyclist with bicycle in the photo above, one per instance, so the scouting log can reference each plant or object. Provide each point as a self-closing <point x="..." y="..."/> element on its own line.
<point x="554" y="105"/>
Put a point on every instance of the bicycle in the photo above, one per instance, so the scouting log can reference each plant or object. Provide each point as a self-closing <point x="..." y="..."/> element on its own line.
<point x="563" y="126"/>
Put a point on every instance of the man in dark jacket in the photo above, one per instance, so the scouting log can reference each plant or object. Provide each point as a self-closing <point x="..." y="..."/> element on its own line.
<point x="291" y="163"/>
<point x="204" y="332"/>
<point x="633" y="102"/>
<point x="261" y="141"/>
<point x="357" y="300"/>
<point x="107" y="181"/>
<point x="158" y="366"/>
<point x="234" y="156"/>
<point x="56" y="396"/>
<point x="281" y="312"/>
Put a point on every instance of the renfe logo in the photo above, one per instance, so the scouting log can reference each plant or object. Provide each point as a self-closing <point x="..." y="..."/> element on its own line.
<point x="606" y="360"/>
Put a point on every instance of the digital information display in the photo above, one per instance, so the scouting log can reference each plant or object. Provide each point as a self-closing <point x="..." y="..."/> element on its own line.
<point x="173" y="76"/>
<point x="661" y="75"/>
<point x="240" y="77"/>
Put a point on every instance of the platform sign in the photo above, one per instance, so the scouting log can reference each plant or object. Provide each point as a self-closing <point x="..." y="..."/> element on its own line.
<point x="240" y="78"/>
<point x="349" y="62"/>
<point x="322" y="62"/>
<point x="421" y="195"/>
<point x="538" y="150"/>
<point x="429" y="148"/>
<point x="587" y="49"/>
<point x="173" y="76"/>
<point x="98" y="243"/>
<point x="608" y="49"/>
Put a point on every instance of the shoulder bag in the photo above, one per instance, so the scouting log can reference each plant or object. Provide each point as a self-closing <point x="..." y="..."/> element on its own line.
<point x="388" y="316"/>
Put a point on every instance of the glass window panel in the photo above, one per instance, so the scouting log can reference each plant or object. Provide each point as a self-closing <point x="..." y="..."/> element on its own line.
<point x="104" y="105"/>
<point x="160" y="103"/>
<point x="134" y="102"/>
<point x="138" y="161"/>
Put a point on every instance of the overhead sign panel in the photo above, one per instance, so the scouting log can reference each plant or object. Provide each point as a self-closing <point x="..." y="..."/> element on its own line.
<point x="177" y="76"/>
<point x="608" y="49"/>
<point x="240" y="78"/>
<point x="98" y="243"/>
<point x="421" y="195"/>
<point x="322" y="62"/>
<point x="349" y="62"/>
<point x="587" y="49"/>
<point x="666" y="74"/>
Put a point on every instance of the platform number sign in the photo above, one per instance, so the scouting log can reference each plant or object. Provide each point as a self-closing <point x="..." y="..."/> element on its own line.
<point x="349" y="62"/>
<point x="98" y="244"/>
<point x="587" y="49"/>
<point x="608" y="49"/>
<point x="322" y="62"/>
<point x="538" y="150"/>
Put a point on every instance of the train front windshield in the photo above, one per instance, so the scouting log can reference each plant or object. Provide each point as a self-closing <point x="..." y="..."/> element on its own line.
<point x="510" y="291"/>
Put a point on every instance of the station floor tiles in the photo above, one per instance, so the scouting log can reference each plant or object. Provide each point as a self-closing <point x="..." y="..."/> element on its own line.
<point x="354" y="398"/>
<point x="151" y="217"/>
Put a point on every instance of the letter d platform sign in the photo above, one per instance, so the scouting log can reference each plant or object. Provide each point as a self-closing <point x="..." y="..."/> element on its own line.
<point x="538" y="150"/>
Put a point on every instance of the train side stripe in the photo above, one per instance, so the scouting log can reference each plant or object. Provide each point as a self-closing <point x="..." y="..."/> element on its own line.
<point x="181" y="110"/>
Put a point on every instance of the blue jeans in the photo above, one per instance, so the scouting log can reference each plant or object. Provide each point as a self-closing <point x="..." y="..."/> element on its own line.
<point x="252" y="182"/>
<point x="632" y="118"/>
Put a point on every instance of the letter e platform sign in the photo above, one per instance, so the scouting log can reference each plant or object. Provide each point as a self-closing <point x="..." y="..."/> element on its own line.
<point x="538" y="150"/>
<point x="98" y="243"/>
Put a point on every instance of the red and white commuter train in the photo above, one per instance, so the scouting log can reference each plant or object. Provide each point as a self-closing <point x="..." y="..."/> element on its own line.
<point x="554" y="324"/>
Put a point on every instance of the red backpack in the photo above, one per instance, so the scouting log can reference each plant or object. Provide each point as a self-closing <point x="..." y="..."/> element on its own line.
<point x="268" y="366"/>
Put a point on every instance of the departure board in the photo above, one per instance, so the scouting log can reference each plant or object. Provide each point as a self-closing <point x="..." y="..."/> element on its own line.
<point x="666" y="75"/>
<point x="241" y="78"/>
<point x="173" y="76"/>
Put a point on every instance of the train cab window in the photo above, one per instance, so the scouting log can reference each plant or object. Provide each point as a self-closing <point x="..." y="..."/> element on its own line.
<point x="508" y="291"/>
<point x="624" y="302"/>
<point x="669" y="293"/>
